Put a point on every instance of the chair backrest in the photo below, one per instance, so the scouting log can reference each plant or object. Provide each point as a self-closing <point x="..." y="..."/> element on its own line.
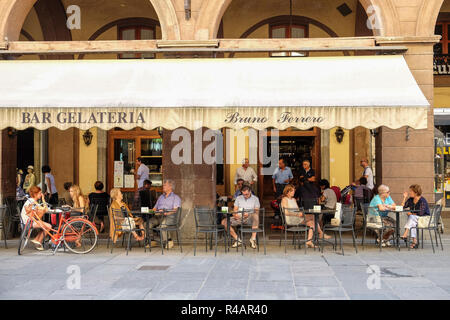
<point x="3" y="214"/>
<point x="348" y="216"/>
<point x="204" y="217"/>
<point x="435" y="216"/>
<point x="173" y="220"/>
<point x="93" y="211"/>
<point x="116" y="217"/>
<point x="283" y="216"/>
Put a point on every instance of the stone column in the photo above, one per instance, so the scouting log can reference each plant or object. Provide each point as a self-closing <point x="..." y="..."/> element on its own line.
<point x="406" y="156"/>
<point x="194" y="183"/>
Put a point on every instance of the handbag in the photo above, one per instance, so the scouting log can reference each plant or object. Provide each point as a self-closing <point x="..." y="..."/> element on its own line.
<point x="128" y="224"/>
<point x="336" y="221"/>
<point x="423" y="222"/>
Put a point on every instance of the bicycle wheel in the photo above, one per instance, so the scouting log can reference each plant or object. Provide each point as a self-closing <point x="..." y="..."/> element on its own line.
<point x="24" y="238"/>
<point x="79" y="236"/>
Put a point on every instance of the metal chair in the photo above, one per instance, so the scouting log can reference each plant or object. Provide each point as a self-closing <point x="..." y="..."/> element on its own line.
<point x="170" y="223"/>
<point x="118" y="217"/>
<point x="347" y="220"/>
<point x="13" y="213"/>
<point x="433" y="225"/>
<point x="92" y="213"/>
<point x="206" y="222"/>
<point x="246" y="228"/>
<point x="378" y="226"/>
<point x="3" y="210"/>
<point x="294" y="229"/>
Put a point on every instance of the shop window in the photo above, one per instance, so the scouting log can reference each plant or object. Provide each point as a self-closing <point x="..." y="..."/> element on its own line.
<point x="286" y="31"/>
<point x="137" y="33"/>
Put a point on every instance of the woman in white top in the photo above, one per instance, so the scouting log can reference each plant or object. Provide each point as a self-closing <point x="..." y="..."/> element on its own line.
<point x="32" y="205"/>
<point x="295" y="217"/>
<point x="50" y="186"/>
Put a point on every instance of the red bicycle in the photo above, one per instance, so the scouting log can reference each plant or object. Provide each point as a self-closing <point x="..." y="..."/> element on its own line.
<point x="78" y="234"/>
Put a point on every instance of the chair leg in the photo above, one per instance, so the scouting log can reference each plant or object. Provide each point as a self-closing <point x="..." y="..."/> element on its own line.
<point x="129" y="242"/>
<point x="306" y="238"/>
<point x="440" y="239"/>
<point x="364" y="237"/>
<point x="161" y="242"/>
<point x="431" y="239"/>
<point x="340" y="241"/>
<point x="354" y="241"/>
<point x="215" y="250"/>
<point x="435" y="235"/>
<point x="285" y="240"/>
<point x="179" y="242"/>
<point x="281" y="235"/>
<point x="422" y="239"/>
<point x="264" y="242"/>
<point x="206" y="242"/>
<point x="4" y="236"/>
<point x="195" y="242"/>
<point x="381" y="238"/>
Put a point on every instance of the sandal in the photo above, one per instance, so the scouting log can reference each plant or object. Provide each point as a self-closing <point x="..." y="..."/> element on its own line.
<point x="414" y="246"/>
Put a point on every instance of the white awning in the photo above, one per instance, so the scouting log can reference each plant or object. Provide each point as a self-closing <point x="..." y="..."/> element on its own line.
<point x="272" y="92"/>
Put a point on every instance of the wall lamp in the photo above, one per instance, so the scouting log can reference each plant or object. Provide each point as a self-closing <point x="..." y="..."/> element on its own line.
<point x="339" y="134"/>
<point x="87" y="137"/>
<point x="11" y="132"/>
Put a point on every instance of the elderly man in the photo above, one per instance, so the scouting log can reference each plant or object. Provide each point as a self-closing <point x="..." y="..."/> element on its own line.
<point x="167" y="205"/>
<point x="248" y="203"/>
<point x="307" y="174"/>
<point x="245" y="173"/>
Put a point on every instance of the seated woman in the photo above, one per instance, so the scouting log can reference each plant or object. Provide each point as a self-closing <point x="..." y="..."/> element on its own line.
<point x="414" y="201"/>
<point x="100" y="198"/>
<point x="32" y="205"/>
<point x="295" y="218"/>
<point x="80" y="202"/>
<point x="117" y="204"/>
<point x="378" y="209"/>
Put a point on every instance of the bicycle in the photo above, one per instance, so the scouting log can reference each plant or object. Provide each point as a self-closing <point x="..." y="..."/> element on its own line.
<point x="78" y="234"/>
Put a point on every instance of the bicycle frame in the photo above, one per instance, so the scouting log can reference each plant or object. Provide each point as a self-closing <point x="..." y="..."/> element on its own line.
<point x="57" y="236"/>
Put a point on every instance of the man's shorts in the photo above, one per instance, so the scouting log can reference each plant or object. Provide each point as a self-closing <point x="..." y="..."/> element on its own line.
<point x="237" y="222"/>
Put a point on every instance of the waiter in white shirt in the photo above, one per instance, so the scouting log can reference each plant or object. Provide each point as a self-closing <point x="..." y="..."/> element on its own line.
<point x="246" y="173"/>
<point x="142" y="173"/>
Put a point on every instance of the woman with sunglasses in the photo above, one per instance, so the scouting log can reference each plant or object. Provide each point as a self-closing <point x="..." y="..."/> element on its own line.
<point x="378" y="208"/>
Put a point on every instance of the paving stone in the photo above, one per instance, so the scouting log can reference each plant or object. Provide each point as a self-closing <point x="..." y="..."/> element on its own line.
<point x="319" y="293"/>
<point x="308" y="281"/>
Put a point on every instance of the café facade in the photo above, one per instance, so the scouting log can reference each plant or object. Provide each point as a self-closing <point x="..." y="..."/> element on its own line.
<point x="334" y="82"/>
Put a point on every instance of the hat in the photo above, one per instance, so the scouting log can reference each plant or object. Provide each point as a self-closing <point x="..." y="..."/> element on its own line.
<point x="30" y="167"/>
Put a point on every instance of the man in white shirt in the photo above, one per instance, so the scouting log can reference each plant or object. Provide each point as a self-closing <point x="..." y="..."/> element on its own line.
<point x="142" y="173"/>
<point x="250" y="204"/>
<point x="367" y="173"/>
<point x="245" y="173"/>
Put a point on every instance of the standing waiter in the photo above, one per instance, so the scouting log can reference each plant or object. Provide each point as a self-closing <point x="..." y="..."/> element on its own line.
<point x="281" y="178"/>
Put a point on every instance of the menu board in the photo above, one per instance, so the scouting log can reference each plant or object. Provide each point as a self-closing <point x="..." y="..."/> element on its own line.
<point x="118" y="174"/>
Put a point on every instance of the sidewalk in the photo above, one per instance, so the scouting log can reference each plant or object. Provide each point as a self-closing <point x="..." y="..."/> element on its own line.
<point x="174" y="275"/>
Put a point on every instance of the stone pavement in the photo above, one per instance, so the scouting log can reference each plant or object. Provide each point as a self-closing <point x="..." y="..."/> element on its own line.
<point x="418" y="274"/>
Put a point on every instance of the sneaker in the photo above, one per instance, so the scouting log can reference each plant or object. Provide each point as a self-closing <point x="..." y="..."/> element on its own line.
<point x="237" y="243"/>
<point x="253" y="243"/>
<point x="386" y="243"/>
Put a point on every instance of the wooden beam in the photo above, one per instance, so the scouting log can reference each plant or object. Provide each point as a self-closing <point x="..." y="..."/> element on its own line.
<point x="224" y="45"/>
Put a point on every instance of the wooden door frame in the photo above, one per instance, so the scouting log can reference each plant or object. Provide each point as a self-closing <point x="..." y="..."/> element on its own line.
<point x="316" y="153"/>
<point x="136" y="135"/>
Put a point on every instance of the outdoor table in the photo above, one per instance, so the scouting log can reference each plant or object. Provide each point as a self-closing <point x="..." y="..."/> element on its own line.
<point x="397" y="224"/>
<point x="316" y="214"/>
<point x="146" y="216"/>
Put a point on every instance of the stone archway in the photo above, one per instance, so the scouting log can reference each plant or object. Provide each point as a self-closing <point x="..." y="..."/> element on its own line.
<point x="14" y="12"/>
<point x="212" y="11"/>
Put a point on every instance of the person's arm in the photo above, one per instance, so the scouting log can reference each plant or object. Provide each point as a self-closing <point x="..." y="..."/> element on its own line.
<point x="49" y="184"/>
<point x="273" y="183"/>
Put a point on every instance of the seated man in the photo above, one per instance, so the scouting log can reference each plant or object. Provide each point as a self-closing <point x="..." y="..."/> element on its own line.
<point x="246" y="201"/>
<point x="167" y="203"/>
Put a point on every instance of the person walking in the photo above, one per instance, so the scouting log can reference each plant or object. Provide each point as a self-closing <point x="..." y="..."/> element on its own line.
<point x="51" y="190"/>
<point x="367" y="173"/>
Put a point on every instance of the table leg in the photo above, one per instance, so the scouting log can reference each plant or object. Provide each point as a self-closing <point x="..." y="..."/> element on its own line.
<point x="228" y="232"/>
<point x="316" y="223"/>
<point x="397" y="222"/>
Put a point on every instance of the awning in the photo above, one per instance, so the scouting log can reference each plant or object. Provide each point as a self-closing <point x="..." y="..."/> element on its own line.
<point x="321" y="92"/>
<point x="441" y="117"/>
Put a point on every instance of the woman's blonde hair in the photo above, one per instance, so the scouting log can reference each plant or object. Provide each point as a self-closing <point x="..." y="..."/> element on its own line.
<point x="288" y="189"/>
<point x="114" y="193"/>
<point x="77" y="194"/>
